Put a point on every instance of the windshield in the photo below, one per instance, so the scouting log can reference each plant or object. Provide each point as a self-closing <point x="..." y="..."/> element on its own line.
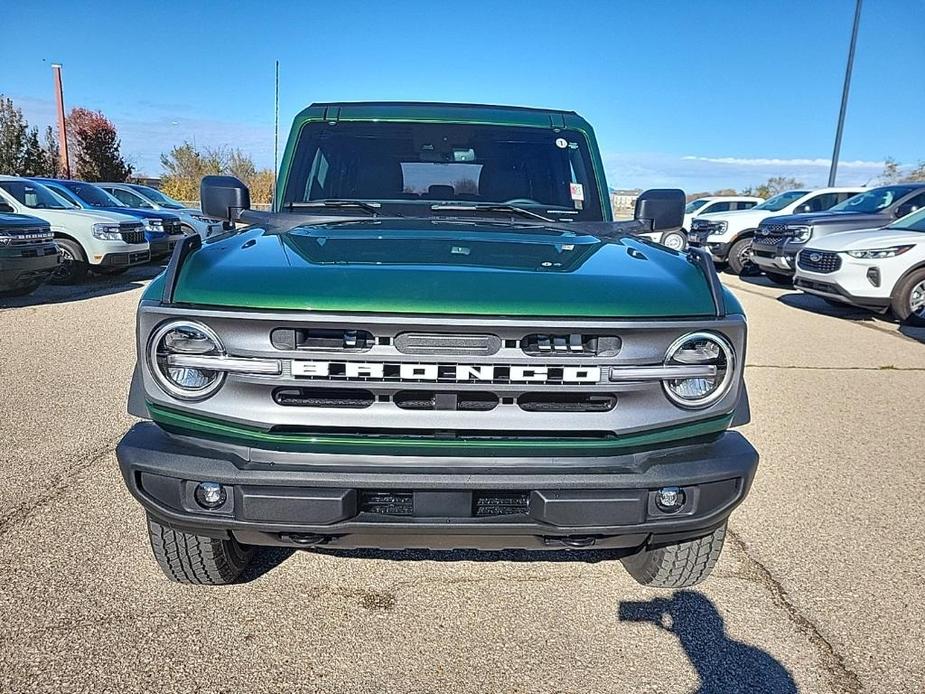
<point x="35" y="195"/>
<point x="158" y="197"/>
<point x="781" y="200"/>
<point x="694" y="205"/>
<point x="873" y="200"/>
<point x="412" y="166"/>
<point x="92" y="195"/>
<point x="911" y="222"/>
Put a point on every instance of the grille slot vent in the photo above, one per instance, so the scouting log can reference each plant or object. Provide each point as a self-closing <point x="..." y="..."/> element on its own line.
<point x="390" y="503"/>
<point x="322" y="339"/>
<point x="574" y="344"/>
<point x="567" y="402"/>
<point x="354" y="398"/>
<point x="429" y="400"/>
<point x="503" y="503"/>
<point x="818" y="261"/>
<point x="447" y="343"/>
<point x="519" y="435"/>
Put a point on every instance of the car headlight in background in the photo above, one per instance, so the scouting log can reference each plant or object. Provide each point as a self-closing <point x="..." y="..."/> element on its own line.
<point x="107" y="232"/>
<point x="153" y="224"/>
<point x="875" y="253"/>
<point x="185" y="338"/>
<point x="800" y="234"/>
<point x="701" y="349"/>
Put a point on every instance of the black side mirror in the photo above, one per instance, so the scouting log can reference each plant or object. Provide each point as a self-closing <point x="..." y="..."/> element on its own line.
<point x="5" y="207"/>
<point x="661" y="208"/>
<point x="903" y="210"/>
<point x="223" y="197"/>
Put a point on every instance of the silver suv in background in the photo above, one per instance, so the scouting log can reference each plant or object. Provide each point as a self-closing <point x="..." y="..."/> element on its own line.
<point x="148" y="198"/>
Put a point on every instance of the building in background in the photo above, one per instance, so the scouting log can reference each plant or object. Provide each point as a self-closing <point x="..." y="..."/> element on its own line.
<point x="623" y="200"/>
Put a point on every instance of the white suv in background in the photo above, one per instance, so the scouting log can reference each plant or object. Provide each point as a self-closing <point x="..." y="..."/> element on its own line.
<point x="728" y="235"/>
<point x="877" y="269"/>
<point x="148" y="198"/>
<point x="105" y="242"/>
<point x="676" y="239"/>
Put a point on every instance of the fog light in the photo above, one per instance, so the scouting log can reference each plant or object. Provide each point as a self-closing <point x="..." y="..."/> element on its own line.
<point x="873" y="276"/>
<point x="210" y="494"/>
<point x="669" y="499"/>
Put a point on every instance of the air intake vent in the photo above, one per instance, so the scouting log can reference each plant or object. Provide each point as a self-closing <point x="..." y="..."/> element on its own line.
<point x="573" y="344"/>
<point x="389" y="503"/>
<point x="499" y="503"/>
<point x="322" y="339"/>
<point x="323" y="397"/>
<point x="447" y="343"/>
<point x="428" y="400"/>
<point x="567" y="402"/>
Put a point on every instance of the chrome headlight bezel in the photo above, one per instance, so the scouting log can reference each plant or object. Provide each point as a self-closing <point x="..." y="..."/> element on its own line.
<point x="724" y="379"/>
<point x="164" y="381"/>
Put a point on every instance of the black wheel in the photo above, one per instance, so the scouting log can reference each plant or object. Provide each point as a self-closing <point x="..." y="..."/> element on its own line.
<point x="73" y="267"/>
<point x="909" y="299"/>
<point x="111" y="271"/>
<point x="781" y="279"/>
<point x="679" y="565"/>
<point x="739" y="260"/>
<point x="197" y="559"/>
<point x="675" y="240"/>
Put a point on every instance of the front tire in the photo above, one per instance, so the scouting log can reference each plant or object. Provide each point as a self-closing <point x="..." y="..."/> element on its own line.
<point x="73" y="267"/>
<point x="908" y="302"/>
<point x="740" y="256"/>
<point x="679" y="565"/>
<point x="197" y="559"/>
<point x="675" y="240"/>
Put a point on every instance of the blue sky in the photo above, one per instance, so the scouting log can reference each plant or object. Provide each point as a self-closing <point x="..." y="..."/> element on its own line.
<point x="701" y="95"/>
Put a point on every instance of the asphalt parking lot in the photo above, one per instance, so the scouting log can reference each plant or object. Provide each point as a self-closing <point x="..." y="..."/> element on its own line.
<point x="821" y="587"/>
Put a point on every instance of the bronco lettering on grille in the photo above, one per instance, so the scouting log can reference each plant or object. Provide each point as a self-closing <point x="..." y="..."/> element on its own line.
<point x="452" y="373"/>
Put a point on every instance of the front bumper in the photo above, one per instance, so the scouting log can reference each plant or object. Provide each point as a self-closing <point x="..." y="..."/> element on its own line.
<point x="160" y="248"/>
<point x="19" y="270"/>
<point x="718" y="249"/>
<point x="289" y="498"/>
<point x="780" y="258"/>
<point x="125" y="259"/>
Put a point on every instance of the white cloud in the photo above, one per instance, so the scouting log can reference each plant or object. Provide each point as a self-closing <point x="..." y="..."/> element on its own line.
<point x="824" y="163"/>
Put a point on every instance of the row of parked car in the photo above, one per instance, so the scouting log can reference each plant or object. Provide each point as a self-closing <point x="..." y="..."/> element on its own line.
<point x="59" y="230"/>
<point x="856" y="246"/>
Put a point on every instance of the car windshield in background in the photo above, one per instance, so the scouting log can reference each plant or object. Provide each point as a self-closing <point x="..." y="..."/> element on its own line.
<point x="158" y="197"/>
<point x="694" y="205"/>
<point x="873" y="200"/>
<point x="418" y="165"/>
<point x="912" y="222"/>
<point x="36" y="196"/>
<point x="93" y="195"/>
<point x="781" y="200"/>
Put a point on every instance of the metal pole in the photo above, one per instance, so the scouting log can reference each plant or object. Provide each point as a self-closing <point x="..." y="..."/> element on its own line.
<point x="833" y="170"/>
<point x="62" y="124"/>
<point x="275" y="139"/>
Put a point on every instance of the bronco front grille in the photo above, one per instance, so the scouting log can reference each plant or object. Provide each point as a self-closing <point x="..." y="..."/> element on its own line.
<point x="818" y="261"/>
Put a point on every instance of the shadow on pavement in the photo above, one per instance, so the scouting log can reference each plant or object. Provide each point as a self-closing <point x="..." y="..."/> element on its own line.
<point x="723" y="664"/>
<point x="265" y="560"/>
<point x="814" y="304"/>
<point x="93" y="286"/>
<point x="513" y="555"/>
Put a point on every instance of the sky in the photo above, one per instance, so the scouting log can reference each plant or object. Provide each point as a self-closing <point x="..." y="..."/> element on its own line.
<point x="699" y="95"/>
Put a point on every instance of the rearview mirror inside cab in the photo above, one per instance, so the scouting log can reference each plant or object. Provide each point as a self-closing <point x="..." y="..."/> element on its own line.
<point x="224" y="197"/>
<point x="661" y="209"/>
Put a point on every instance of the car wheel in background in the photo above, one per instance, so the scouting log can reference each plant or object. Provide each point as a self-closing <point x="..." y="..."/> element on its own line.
<point x="73" y="267"/>
<point x="675" y="240"/>
<point x="188" y="230"/>
<point x="778" y="278"/>
<point x="909" y="299"/>
<point x="739" y="260"/>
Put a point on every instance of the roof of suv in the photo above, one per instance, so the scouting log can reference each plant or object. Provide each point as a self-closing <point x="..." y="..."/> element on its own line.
<point x="435" y="112"/>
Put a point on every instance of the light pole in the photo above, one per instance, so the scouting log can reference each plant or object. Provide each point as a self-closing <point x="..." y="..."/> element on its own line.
<point x="62" y="123"/>
<point x="833" y="170"/>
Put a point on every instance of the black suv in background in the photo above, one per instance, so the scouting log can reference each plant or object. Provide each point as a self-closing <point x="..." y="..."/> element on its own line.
<point x="779" y="239"/>
<point x="28" y="253"/>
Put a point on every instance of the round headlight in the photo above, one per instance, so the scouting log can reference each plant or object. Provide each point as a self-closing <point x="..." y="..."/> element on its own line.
<point x="699" y="349"/>
<point x="184" y="338"/>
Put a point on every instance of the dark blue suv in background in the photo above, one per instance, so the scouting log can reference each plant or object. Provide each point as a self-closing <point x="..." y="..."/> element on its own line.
<point x="162" y="229"/>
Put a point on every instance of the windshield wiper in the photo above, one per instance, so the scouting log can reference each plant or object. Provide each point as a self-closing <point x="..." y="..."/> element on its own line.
<point x="371" y="207"/>
<point x="489" y="207"/>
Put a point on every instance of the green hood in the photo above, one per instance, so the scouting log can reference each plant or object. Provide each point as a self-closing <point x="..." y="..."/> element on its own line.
<point x="467" y="267"/>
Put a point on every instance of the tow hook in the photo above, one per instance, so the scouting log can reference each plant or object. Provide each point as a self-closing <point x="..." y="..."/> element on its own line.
<point x="304" y="539"/>
<point x="573" y="541"/>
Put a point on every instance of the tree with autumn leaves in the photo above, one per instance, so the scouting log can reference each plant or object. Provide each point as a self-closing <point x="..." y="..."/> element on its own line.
<point x="93" y="147"/>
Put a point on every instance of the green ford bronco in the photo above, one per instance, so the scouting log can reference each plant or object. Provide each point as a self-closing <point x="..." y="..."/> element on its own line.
<point x="438" y="339"/>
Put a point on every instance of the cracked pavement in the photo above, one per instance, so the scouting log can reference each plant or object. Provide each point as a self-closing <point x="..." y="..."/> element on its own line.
<point x="821" y="587"/>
